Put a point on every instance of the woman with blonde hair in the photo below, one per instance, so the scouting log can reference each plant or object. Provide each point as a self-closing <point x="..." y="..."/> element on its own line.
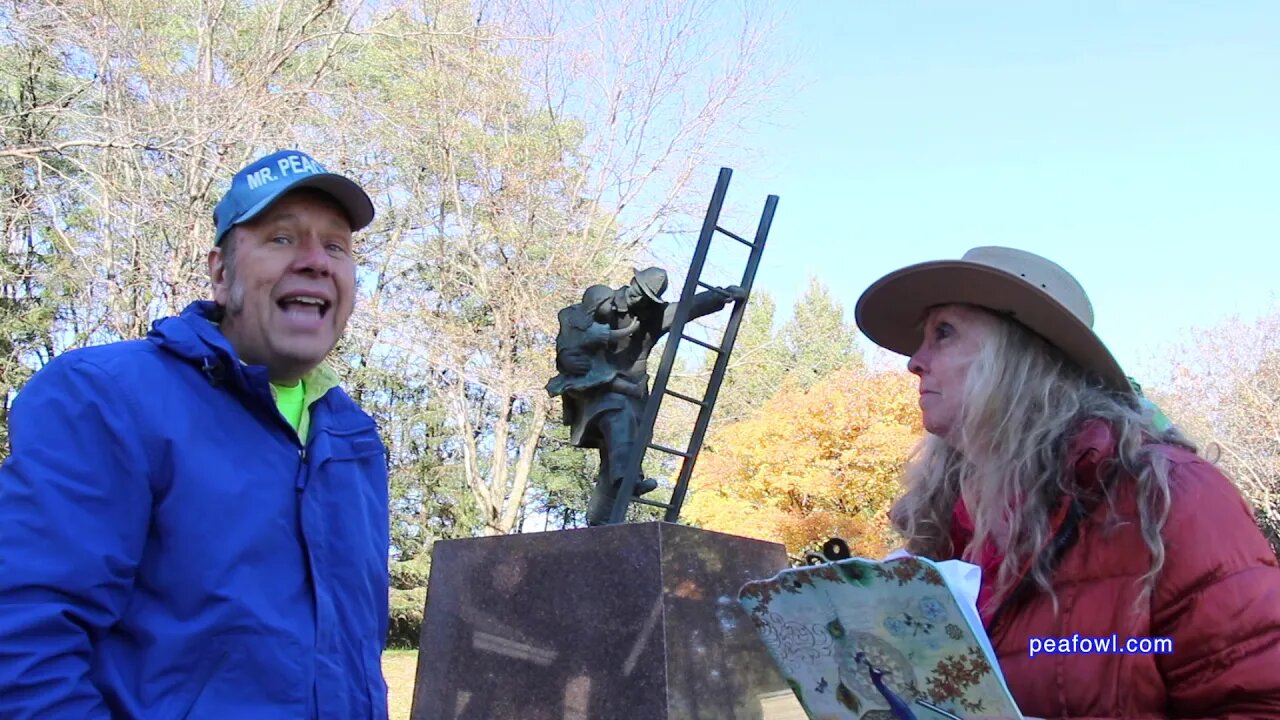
<point x="1091" y="520"/>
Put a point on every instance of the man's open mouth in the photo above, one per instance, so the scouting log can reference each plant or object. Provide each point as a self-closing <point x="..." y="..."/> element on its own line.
<point x="304" y="303"/>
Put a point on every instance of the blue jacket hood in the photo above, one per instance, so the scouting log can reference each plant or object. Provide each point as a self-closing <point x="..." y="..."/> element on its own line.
<point x="193" y="336"/>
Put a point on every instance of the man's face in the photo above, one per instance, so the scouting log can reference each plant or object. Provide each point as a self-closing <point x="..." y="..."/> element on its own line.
<point x="290" y="289"/>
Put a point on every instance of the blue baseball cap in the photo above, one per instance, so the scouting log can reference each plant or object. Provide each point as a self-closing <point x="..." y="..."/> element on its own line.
<point x="263" y="181"/>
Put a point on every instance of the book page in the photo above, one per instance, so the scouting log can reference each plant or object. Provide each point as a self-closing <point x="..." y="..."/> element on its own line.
<point x="854" y="636"/>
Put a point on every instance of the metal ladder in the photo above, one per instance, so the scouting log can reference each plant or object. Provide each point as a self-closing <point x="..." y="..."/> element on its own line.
<point x="693" y="281"/>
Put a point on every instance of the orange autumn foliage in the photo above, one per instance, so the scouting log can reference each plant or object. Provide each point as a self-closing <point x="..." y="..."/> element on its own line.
<point x="812" y="465"/>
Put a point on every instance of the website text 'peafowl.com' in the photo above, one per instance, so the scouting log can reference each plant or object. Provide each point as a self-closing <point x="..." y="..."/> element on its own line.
<point x="1111" y="645"/>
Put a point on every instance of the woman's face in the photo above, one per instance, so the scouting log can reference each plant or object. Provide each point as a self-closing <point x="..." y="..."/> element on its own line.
<point x="953" y="335"/>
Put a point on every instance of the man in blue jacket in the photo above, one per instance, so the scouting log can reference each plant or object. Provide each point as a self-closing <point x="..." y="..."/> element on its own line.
<point x="194" y="525"/>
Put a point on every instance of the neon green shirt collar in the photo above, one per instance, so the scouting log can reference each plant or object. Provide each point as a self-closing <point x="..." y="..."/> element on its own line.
<point x="294" y="403"/>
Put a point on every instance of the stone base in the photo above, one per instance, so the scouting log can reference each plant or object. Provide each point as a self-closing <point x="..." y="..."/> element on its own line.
<point x="635" y="621"/>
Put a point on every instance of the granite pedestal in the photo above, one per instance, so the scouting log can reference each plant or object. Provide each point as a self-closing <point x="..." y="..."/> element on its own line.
<point x="636" y="621"/>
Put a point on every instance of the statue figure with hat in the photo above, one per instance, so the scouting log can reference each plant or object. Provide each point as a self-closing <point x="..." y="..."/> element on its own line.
<point x="602" y="355"/>
<point x="586" y="326"/>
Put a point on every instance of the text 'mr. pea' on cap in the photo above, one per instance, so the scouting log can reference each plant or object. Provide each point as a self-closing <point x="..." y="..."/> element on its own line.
<point x="263" y="181"/>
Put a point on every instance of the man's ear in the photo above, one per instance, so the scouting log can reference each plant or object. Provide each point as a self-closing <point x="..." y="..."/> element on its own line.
<point x="218" y="276"/>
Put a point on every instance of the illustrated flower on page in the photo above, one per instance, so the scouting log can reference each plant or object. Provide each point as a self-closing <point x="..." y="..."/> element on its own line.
<point x="933" y="610"/>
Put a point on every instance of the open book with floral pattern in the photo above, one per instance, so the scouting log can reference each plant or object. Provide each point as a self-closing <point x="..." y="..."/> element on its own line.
<point x="859" y="639"/>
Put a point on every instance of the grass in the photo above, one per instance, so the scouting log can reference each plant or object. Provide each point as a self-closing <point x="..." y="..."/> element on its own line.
<point x="399" y="667"/>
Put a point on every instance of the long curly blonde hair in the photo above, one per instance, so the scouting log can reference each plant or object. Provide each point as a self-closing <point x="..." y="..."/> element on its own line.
<point x="1023" y="405"/>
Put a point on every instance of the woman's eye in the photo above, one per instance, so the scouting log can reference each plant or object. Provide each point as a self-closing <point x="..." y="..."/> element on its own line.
<point x="280" y="239"/>
<point x="943" y="330"/>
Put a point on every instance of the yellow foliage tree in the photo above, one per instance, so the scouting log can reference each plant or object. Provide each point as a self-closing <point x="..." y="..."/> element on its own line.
<point x="810" y="465"/>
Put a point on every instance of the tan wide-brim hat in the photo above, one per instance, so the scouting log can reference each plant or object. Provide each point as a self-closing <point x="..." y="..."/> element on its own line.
<point x="1025" y="287"/>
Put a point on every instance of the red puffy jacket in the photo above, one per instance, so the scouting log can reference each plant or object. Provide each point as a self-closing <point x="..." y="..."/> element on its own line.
<point x="1217" y="599"/>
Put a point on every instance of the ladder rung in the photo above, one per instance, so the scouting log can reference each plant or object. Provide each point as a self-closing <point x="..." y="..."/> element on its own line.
<point x="686" y="398"/>
<point x="748" y="243"/>
<point x="696" y="341"/>
<point x="668" y="450"/>
<point x="651" y="503"/>
<point x="715" y="290"/>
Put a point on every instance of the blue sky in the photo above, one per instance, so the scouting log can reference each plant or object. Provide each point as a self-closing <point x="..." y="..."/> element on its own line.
<point x="1137" y="144"/>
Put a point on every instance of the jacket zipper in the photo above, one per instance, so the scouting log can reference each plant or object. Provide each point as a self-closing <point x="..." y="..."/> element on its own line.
<point x="300" y="481"/>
